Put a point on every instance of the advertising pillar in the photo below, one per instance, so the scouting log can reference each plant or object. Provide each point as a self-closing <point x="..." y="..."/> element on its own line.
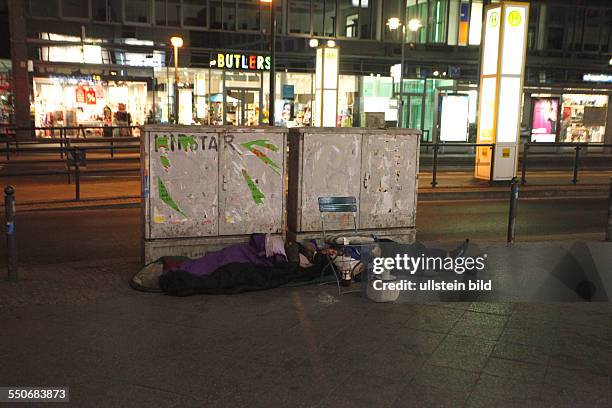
<point x="326" y="87"/>
<point x="501" y="87"/>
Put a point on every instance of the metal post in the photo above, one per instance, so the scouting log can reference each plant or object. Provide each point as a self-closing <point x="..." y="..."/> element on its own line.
<point x="400" y="105"/>
<point x="514" y="192"/>
<point x="491" y="174"/>
<point x="576" y="159"/>
<point x="77" y="180"/>
<point x="176" y="87"/>
<point x="609" y="228"/>
<point x="434" y="181"/>
<point x="524" y="164"/>
<point x="62" y="136"/>
<point x="272" y="64"/>
<point x="11" y="246"/>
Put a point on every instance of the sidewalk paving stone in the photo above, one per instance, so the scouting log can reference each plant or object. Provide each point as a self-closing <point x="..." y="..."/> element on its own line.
<point x="79" y="324"/>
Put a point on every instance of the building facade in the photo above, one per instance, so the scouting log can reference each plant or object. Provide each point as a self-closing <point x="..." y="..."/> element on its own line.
<point x="89" y="57"/>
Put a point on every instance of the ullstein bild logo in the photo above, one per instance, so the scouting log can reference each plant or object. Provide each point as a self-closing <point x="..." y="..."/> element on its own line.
<point x="242" y="61"/>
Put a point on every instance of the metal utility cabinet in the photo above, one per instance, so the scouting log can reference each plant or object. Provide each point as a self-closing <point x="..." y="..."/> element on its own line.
<point x="205" y="188"/>
<point x="377" y="166"/>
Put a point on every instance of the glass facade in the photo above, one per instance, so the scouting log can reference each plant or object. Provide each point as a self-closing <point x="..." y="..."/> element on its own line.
<point x="451" y="22"/>
<point x="213" y="96"/>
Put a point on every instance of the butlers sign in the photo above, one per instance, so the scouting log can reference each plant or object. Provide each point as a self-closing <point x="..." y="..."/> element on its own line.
<point x="246" y="62"/>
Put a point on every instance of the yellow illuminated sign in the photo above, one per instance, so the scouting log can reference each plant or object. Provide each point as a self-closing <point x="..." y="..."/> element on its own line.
<point x="494" y="19"/>
<point x="515" y="18"/>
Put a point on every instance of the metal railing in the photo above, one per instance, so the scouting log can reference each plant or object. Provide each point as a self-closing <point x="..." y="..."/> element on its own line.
<point x="436" y="148"/>
<point x="73" y="155"/>
<point x="576" y="163"/>
<point x="63" y="138"/>
<point x="523" y="157"/>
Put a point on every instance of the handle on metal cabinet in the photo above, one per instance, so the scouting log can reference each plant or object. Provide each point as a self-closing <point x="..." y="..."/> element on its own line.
<point x="223" y="183"/>
<point x="366" y="178"/>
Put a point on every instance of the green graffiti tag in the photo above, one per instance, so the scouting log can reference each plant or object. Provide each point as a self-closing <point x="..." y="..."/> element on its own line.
<point x="258" y="196"/>
<point x="187" y="143"/>
<point x="166" y="198"/>
<point x="161" y="144"/>
<point x="261" y="155"/>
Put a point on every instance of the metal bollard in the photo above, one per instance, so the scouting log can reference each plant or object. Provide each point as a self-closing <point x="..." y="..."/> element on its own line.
<point x="524" y="164"/>
<point x="609" y="228"/>
<point x="576" y="159"/>
<point x="11" y="246"/>
<point x="491" y="175"/>
<point x="77" y="181"/>
<point x="434" y="181"/>
<point x="514" y="192"/>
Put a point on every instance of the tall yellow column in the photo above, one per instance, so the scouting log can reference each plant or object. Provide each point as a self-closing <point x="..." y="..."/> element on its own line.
<point x="502" y="70"/>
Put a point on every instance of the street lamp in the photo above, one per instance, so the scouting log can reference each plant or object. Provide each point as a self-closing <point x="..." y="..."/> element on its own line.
<point x="177" y="42"/>
<point x="272" y="63"/>
<point x="413" y="25"/>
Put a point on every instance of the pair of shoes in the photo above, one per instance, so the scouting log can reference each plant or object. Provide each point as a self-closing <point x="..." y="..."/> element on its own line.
<point x="460" y="250"/>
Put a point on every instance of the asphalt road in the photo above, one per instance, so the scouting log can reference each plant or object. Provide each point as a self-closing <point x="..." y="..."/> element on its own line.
<point x="62" y="236"/>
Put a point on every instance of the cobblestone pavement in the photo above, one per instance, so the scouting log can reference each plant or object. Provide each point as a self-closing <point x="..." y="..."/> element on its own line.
<point x="79" y="324"/>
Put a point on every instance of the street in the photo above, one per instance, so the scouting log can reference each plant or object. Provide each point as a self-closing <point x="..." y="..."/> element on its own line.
<point x="58" y="236"/>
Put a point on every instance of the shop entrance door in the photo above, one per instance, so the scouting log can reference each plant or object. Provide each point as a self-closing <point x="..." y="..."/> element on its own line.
<point x="242" y="107"/>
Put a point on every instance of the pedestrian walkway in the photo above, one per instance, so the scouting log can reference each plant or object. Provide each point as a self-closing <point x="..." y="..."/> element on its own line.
<point x="79" y="325"/>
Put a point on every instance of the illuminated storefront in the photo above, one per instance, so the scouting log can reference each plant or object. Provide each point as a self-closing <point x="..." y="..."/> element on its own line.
<point x="6" y="98"/>
<point x="88" y="101"/>
<point x="583" y="118"/>
<point x="568" y="117"/>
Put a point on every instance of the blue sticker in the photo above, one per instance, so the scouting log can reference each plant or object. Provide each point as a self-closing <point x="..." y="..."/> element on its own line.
<point x="146" y="187"/>
<point x="10" y="228"/>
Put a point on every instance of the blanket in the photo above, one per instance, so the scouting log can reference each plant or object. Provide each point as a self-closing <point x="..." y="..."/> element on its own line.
<point x="261" y="250"/>
<point x="238" y="277"/>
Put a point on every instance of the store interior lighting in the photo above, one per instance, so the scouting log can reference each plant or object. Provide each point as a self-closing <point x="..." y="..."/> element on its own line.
<point x="314" y="43"/>
<point x="393" y="23"/>
<point x="414" y="24"/>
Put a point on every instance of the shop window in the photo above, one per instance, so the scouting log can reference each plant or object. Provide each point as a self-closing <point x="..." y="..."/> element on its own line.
<point x="453" y="22"/>
<point x="391" y="9"/>
<point x="138" y="11"/>
<point x="324" y="18"/>
<point x="168" y="12"/>
<point x="106" y="10"/>
<point x="436" y="25"/>
<point x="75" y="9"/>
<point x="348" y="14"/>
<point x="299" y="16"/>
<point x="555" y="38"/>
<point x="249" y="15"/>
<point x="229" y="15"/>
<point x="367" y="19"/>
<point x="475" y="29"/>
<point x="583" y="118"/>
<point x="265" y="18"/>
<point x="556" y="15"/>
<point x="215" y="14"/>
<point x="194" y="13"/>
<point x="532" y="28"/>
<point x="417" y="10"/>
<point x="43" y="8"/>
<point x="606" y="45"/>
<point x="592" y="27"/>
